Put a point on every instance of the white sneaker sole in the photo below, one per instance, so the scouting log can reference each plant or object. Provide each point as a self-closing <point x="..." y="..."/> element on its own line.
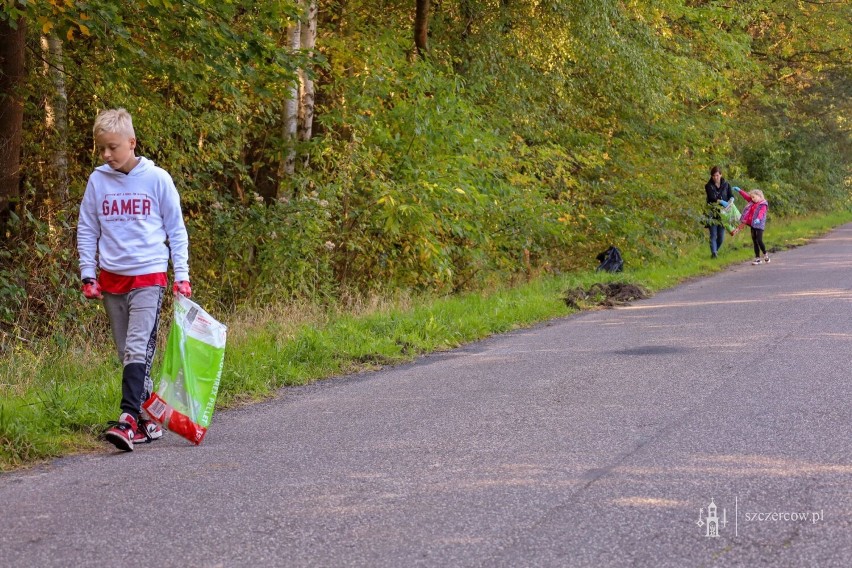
<point x="152" y="435"/>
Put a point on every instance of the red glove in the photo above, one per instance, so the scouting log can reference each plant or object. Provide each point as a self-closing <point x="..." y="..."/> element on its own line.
<point x="91" y="289"/>
<point x="183" y="288"/>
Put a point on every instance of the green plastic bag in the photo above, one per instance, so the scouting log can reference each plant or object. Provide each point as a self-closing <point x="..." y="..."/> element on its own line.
<point x="192" y="369"/>
<point x="730" y="216"/>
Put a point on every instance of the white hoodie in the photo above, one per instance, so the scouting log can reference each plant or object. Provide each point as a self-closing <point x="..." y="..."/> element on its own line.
<point x="127" y="218"/>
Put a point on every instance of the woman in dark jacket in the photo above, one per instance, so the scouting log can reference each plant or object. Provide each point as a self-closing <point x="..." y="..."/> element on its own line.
<point x="717" y="189"/>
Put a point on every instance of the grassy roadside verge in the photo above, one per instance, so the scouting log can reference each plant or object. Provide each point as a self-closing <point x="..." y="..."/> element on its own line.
<point x="54" y="403"/>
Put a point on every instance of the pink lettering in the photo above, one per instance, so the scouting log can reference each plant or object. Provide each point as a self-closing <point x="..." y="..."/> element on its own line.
<point x="126" y="207"/>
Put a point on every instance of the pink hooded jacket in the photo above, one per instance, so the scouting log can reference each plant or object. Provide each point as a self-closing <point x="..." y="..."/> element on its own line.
<point x="754" y="215"/>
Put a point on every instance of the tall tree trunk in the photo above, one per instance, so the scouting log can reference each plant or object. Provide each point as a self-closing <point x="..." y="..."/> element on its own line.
<point x="421" y="27"/>
<point x="508" y="24"/>
<point x="12" y="74"/>
<point x="306" y="83"/>
<point x="291" y="107"/>
<point x="56" y="113"/>
<point x="468" y="17"/>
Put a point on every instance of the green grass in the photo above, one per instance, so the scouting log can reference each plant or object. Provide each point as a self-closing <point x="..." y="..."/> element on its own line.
<point x="57" y="403"/>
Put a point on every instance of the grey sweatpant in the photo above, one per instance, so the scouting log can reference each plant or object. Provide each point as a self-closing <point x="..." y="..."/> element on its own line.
<point x="134" y="318"/>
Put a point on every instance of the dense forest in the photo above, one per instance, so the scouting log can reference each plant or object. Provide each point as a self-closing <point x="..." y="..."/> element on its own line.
<point x="325" y="149"/>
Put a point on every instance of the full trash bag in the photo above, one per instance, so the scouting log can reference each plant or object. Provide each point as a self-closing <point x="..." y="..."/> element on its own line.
<point x="192" y="369"/>
<point x="610" y="260"/>
<point x="730" y="216"/>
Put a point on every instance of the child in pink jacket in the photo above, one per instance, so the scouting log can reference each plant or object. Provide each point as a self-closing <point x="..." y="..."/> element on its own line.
<point x="754" y="216"/>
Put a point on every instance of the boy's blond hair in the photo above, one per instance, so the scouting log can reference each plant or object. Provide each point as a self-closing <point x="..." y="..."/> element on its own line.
<point x="114" y="121"/>
<point x="757" y="193"/>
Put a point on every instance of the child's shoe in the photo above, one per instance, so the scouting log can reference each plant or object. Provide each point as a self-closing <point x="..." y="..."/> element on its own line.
<point x="766" y="258"/>
<point x="122" y="433"/>
<point x="148" y="431"/>
<point x="757" y="261"/>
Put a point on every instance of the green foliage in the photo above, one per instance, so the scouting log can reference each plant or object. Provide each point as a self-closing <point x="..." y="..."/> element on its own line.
<point x="533" y="135"/>
<point x="264" y="252"/>
<point x="39" y="290"/>
<point x="802" y="173"/>
<point x="419" y="187"/>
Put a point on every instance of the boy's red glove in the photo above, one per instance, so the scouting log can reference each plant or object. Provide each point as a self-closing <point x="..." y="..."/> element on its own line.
<point x="91" y="289"/>
<point x="183" y="288"/>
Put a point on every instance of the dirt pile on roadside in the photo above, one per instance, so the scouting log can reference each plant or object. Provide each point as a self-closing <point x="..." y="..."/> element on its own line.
<point x="604" y="295"/>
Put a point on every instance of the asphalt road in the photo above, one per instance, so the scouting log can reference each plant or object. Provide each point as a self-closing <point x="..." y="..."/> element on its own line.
<point x="599" y="439"/>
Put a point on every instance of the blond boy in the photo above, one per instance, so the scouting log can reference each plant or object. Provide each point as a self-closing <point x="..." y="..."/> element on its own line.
<point x="130" y="226"/>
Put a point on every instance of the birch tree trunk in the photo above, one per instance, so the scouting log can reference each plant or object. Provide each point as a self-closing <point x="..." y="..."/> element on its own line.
<point x="291" y="107"/>
<point x="306" y="83"/>
<point x="56" y="113"/>
<point x="12" y="75"/>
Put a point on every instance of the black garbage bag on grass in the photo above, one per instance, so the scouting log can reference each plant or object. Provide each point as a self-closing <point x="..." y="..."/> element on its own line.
<point x="611" y="260"/>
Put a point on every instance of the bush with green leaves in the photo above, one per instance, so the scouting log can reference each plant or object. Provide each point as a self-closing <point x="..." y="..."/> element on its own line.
<point x="528" y="137"/>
